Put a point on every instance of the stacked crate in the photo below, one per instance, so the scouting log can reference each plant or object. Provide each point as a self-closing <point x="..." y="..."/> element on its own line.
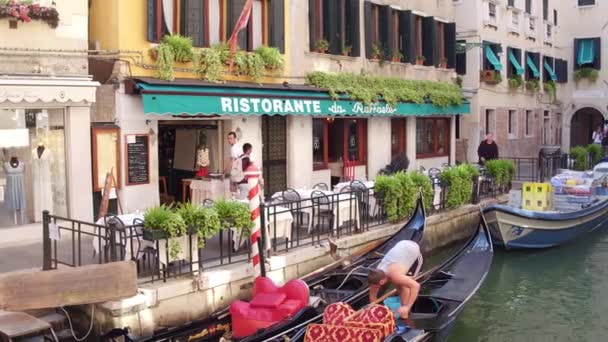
<point x="536" y="196"/>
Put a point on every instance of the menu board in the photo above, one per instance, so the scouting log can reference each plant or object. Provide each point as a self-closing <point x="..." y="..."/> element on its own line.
<point x="106" y="155"/>
<point x="138" y="159"/>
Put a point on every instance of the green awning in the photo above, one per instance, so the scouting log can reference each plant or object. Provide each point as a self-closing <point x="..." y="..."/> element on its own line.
<point x="532" y="67"/>
<point x="518" y="69"/>
<point x="585" y="52"/>
<point x="493" y="59"/>
<point x="218" y="100"/>
<point x="550" y="71"/>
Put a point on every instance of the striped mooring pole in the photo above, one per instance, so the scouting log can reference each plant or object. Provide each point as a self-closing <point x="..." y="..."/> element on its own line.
<point x="252" y="173"/>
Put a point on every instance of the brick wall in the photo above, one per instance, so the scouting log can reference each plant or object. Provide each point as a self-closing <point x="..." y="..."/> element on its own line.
<point x="519" y="144"/>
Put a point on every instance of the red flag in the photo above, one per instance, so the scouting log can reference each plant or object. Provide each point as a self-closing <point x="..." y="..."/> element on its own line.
<point x="241" y="23"/>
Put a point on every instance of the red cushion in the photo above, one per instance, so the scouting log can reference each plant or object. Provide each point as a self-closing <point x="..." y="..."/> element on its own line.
<point x="268" y="300"/>
<point x="290" y="307"/>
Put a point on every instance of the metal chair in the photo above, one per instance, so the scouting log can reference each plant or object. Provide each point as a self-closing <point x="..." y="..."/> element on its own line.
<point x="321" y="186"/>
<point x="322" y="213"/>
<point x="117" y="242"/>
<point x="208" y="203"/>
<point x="293" y="201"/>
<point x="145" y="258"/>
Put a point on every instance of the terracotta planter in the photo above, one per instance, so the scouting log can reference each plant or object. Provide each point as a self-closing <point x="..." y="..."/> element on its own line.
<point x="420" y="62"/>
<point x="153" y="53"/>
<point x="321" y="50"/>
<point x="488" y="76"/>
<point x="396" y="59"/>
<point x="443" y="65"/>
<point x="345" y="54"/>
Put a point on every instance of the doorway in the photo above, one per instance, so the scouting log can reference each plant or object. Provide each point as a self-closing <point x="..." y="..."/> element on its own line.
<point x="583" y="122"/>
<point x="274" y="153"/>
<point x="398" y="136"/>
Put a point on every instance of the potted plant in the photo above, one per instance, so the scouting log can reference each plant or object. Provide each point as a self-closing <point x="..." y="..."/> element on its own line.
<point x="420" y="60"/>
<point x="550" y="88"/>
<point x="205" y="222"/>
<point x="397" y="56"/>
<point x="272" y="58"/>
<point x="347" y="50"/>
<point x="161" y="223"/>
<point x="377" y="52"/>
<point x="458" y="81"/>
<point x="234" y="215"/>
<point x="515" y="81"/>
<point x="443" y="63"/>
<point x="532" y="85"/>
<point x="321" y="45"/>
<point x="491" y="76"/>
<point x="588" y="73"/>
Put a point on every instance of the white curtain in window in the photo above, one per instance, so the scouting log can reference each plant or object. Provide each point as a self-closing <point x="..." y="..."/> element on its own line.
<point x="168" y="10"/>
<point x="214" y="21"/>
<point x="258" y="26"/>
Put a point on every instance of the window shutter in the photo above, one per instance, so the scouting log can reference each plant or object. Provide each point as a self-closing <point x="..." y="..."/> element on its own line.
<point x="577" y="46"/>
<point x="536" y="59"/>
<point x="276" y="25"/>
<point x="561" y="68"/>
<point x="565" y="71"/>
<point x="331" y="21"/>
<point x="461" y="61"/>
<point x="407" y="28"/>
<point x="192" y="24"/>
<point x="152" y="16"/>
<point x="367" y="14"/>
<point x="234" y="9"/>
<point x="312" y="23"/>
<point x="509" y="64"/>
<point x="353" y="26"/>
<point x="546" y="10"/>
<point x="429" y="45"/>
<point x="450" y="44"/>
<point x="386" y="32"/>
<point x="597" y="53"/>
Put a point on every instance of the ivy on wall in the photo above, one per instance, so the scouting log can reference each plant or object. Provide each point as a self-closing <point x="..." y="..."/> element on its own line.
<point x="367" y="88"/>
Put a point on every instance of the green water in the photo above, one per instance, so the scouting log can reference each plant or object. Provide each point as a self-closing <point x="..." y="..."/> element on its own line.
<point x="554" y="295"/>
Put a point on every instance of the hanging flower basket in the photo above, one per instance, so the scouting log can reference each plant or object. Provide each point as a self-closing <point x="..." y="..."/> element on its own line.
<point x="26" y="13"/>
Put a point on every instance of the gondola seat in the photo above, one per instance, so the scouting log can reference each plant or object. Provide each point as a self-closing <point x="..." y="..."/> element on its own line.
<point x="342" y="324"/>
<point x="269" y="305"/>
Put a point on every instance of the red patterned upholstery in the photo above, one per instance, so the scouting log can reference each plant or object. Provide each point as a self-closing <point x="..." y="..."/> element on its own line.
<point x="337" y="333"/>
<point x="270" y="304"/>
<point x="372" y="324"/>
<point x="375" y="317"/>
<point x="335" y="313"/>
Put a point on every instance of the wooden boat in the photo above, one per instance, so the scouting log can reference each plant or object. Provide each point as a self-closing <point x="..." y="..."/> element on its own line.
<point x="340" y="284"/>
<point x="445" y="290"/>
<point x="514" y="228"/>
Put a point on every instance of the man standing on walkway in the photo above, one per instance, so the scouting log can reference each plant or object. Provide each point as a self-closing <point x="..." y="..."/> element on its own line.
<point x="487" y="150"/>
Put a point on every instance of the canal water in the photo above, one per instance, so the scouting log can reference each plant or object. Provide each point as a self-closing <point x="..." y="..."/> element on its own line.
<point x="555" y="295"/>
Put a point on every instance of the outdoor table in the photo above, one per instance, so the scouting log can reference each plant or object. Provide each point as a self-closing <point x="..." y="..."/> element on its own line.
<point x="131" y="232"/>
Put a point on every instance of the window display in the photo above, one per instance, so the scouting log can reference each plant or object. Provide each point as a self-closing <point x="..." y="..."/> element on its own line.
<point x="32" y="179"/>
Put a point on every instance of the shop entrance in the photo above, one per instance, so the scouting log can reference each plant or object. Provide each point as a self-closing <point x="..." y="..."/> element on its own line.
<point x="187" y="150"/>
<point x="274" y="153"/>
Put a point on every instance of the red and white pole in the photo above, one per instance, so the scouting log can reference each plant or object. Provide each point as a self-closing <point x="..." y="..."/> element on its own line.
<point x="252" y="173"/>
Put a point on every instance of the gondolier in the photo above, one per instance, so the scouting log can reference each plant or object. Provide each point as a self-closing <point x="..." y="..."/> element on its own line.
<point x="394" y="268"/>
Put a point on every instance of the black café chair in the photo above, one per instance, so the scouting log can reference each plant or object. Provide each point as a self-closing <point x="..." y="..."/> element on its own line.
<point x="293" y="201"/>
<point x="120" y="238"/>
<point x="145" y="258"/>
<point x="321" y="186"/>
<point x="322" y="213"/>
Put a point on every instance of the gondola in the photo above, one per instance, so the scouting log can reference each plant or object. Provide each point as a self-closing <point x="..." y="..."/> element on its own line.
<point x="324" y="286"/>
<point x="445" y="290"/>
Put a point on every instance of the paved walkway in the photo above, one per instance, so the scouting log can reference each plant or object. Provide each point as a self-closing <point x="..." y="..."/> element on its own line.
<point x="21" y="247"/>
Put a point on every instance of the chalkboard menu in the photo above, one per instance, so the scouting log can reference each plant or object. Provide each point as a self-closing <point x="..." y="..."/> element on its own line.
<point x="138" y="159"/>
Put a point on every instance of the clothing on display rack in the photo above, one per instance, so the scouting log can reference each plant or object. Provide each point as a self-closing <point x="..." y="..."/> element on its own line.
<point x="15" y="187"/>
<point x="42" y="159"/>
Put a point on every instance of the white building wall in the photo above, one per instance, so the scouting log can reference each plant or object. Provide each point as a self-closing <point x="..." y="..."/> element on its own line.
<point x="300" y="172"/>
<point x="78" y="163"/>
<point x="378" y="145"/>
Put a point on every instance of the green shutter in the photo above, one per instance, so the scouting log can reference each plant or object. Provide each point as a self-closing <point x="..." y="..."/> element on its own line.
<point x="550" y="71"/>
<point x="312" y="24"/>
<point x="407" y="29"/>
<point x="492" y="58"/>
<point x="450" y="44"/>
<point x="532" y="67"/>
<point x="151" y="14"/>
<point x="367" y="17"/>
<point x="353" y="27"/>
<point x="192" y="22"/>
<point x="276" y="25"/>
<point x="515" y="63"/>
<point x="585" y="52"/>
<point x="386" y="33"/>
<point x="429" y="41"/>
